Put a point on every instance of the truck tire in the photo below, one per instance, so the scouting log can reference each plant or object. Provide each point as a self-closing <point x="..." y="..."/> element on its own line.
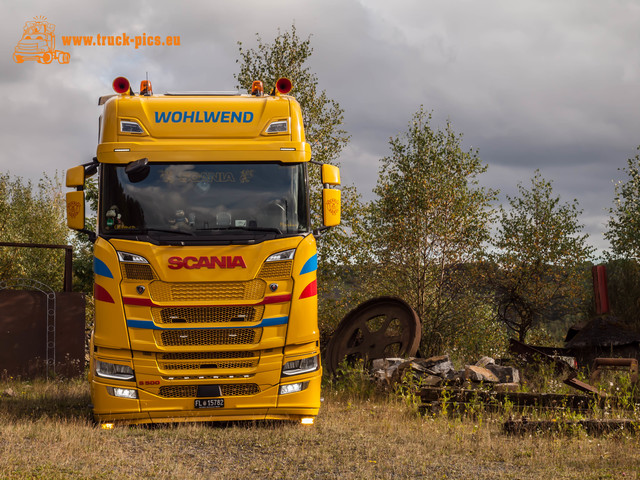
<point x="17" y="58"/>
<point x="63" y="57"/>
<point x="45" y="58"/>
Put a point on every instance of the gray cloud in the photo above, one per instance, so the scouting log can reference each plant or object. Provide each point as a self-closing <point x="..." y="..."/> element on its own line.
<point x="531" y="84"/>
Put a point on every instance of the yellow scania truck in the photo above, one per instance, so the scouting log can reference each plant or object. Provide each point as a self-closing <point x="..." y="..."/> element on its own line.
<point x="204" y="257"/>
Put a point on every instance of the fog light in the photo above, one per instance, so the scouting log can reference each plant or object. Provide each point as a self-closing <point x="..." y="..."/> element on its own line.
<point x="123" y="392"/>
<point x="106" y="426"/>
<point x="293" y="387"/>
<point x="307" y="421"/>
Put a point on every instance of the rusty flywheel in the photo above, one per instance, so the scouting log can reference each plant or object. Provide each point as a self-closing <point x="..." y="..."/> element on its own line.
<point x="378" y="328"/>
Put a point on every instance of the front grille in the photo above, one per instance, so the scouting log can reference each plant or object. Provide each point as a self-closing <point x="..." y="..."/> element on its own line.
<point x="230" y="390"/>
<point x="201" y="361"/>
<point x="207" y="314"/>
<point x="199" y="376"/>
<point x="136" y="271"/>
<point x="178" y="391"/>
<point x="206" y="355"/>
<point x="276" y="269"/>
<point x="227" y="336"/>
<point x="229" y="364"/>
<point x="239" y="389"/>
<point x="27" y="48"/>
<point x="202" y="292"/>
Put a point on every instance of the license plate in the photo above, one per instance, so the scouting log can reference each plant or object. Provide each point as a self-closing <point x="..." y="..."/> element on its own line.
<point x="209" y="403"/>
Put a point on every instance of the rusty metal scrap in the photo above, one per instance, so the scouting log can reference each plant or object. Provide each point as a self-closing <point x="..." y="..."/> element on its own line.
<point x="600" y="364"/>
<point x="590" y="426"/>
<point x="378" y="328"/>
<point x="555" y="356"/>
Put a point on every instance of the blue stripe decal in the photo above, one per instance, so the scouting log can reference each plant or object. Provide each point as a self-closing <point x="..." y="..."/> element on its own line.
<point x="147" y="324"/>
<point x="272" y="322"/>
<point x="311" y="265"/>
<point x="266" y="322"/>
<point x="100" y="268"/>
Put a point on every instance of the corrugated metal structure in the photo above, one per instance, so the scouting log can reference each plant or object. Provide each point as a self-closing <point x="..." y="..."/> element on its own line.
<point x="41" y="333"/>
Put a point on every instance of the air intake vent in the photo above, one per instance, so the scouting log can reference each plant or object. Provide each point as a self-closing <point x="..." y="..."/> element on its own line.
<point x="207" y="314"/>
<point x="136" y="271"/>
<point x="227" y="336"/>
<point x="230" y="390"/>
<point x="202" y="292"/>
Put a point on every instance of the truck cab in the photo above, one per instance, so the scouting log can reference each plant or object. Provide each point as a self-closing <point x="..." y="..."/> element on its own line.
<point x="204" y="257"/>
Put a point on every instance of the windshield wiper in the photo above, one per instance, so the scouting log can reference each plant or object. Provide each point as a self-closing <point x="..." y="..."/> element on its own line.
<point x="167" y="230"/>
<point x="246" y="229"/>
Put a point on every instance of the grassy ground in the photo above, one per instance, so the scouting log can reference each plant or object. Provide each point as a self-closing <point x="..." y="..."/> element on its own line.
<point x="46" y="432"/>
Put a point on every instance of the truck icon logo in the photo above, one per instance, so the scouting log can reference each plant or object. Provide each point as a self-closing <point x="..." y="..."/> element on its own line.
<point x="39" y="43"/>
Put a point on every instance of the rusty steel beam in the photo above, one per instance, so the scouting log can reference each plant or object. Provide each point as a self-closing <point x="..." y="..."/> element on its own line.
<point x="600" y="364"/>
<point x="584" y="387"/>
<point x="531" y="353"/>
<point x="600" y="290"/>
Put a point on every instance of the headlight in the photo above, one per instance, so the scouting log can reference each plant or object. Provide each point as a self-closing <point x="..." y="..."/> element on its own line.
<point x="123" y="392"/>
<point x="293" y="388"/>
<point x="298" y="367"/>
<point x="114" y="371"/>
<point x="131" y="257"/>
<point x="286" y="255"/>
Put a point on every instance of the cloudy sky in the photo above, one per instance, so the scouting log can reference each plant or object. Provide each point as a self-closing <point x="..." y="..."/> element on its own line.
<point x="533" y="84"/>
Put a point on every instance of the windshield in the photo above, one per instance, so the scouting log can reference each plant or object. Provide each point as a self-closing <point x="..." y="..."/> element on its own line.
<point x="204" y="199"/>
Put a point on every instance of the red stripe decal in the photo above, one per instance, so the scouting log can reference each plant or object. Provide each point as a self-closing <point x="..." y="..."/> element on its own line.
<point x="142" y="302"/>
<point x="275" y="299"/>
<point x="147" y="302"/>
<point x="310" y="290"/>
<point x="100" y="293"/>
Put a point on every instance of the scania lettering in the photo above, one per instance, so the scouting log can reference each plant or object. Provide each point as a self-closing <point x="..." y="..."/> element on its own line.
<point x="204" y="257"/>
<point x="206" y="262"/>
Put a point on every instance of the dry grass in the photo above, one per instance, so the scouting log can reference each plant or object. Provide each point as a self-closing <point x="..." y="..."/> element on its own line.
<point x="46" y="432"/>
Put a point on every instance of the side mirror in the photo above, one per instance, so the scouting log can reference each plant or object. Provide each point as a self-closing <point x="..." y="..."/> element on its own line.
<point x="75" y="200"/>
<point x="75" y="176"/>
<point x="331" y="199"/>
<point x="75" y="207"/>
<point x="330" y="174"/>
<point x="138" y="170"/>
<point x="331" y="202"/>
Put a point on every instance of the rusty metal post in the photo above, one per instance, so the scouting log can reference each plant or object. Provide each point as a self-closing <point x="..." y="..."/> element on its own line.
<point x="600" y="291"/>
<point x="68" y="266"/>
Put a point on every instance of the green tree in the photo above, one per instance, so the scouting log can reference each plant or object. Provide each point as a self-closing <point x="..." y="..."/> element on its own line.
<point x="32" y="214"/>
<point x="623" y="228"/>
<point x="287" y="56"/>
<point x="539" y="259"/>
<point x="427" y="227"/>
<point x="623" y="233"/>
